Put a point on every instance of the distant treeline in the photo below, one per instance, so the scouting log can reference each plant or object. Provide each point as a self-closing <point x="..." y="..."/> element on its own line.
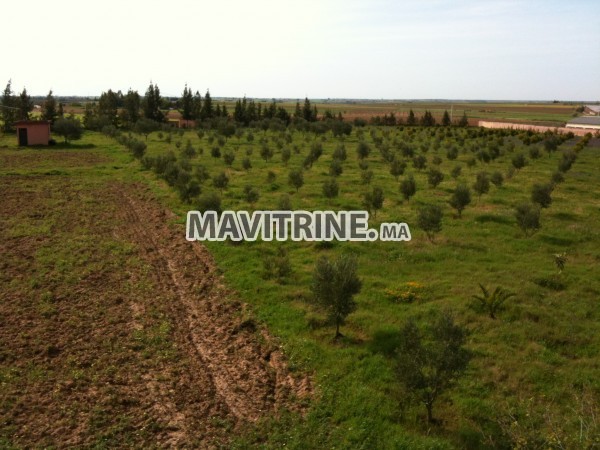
<point x="113" y="108"/>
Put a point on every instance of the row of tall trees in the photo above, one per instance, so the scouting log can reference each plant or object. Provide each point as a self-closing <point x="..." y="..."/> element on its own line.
<point x="426" y="120"/>
<point x="14" y="107"/>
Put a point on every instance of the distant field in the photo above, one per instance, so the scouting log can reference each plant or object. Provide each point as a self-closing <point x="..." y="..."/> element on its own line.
<point x="552" y="114"/>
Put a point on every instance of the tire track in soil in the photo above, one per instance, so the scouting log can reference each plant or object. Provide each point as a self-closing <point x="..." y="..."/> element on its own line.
<point x="242" y="371"/>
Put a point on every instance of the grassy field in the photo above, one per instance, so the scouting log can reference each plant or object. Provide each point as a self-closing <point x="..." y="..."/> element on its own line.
<point x="533" y="380"/>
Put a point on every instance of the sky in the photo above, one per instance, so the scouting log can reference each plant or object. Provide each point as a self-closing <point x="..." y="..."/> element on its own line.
<point x="371" y="49"/>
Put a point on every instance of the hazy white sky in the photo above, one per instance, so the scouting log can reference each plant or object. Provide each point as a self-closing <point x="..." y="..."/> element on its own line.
<point x="452" y="49"/>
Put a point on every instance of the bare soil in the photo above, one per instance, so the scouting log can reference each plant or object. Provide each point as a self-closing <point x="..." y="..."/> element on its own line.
<point x="116" y="331"/>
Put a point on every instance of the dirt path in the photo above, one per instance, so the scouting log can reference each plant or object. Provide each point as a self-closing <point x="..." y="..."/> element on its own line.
<point x="117" y="331"/>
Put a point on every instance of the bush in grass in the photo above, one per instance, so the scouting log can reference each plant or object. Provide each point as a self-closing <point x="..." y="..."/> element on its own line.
<point x="491" y="302"/>
<point x="335" y="168"/>
<point x="221" y="181"/>
<point x="534" y="152"/>
<point x="557" y="177"/>
<point x="366" y="176"/>
<point x="528" y="218"/>
<point x="408" y="187"/>
<point x="482" y="184"/>
<point x="340" y="153"/>
<point x="334" y="285"/>
<point x="277" y="266"/>
<point x="331" y="188"/>
<point x="542" y="194"/>
<point x="461" y="197"/>
<point x="363" y="150"/>
<point x="434" y="177"/>
<point x="519" y="161"/>
<point x="211" y="201"/>
<point x="409" y="292"/>
<point x="429" y="365"/>
<point x="189" y="191"/>
<point x="201" y="173"/>
<point x="296" y="178"/>
<point x="497" y="179"/>
<point x="189" y="151"/>
<point x="452" y="153"/>
<point x="286" y="154"/>
<point x="456" y="171"/>
<point x="373" y="201"/>
<point x="397" y="167"/>
<point x="215" y="152"/>
<point x="419" y="162"/>
<point x="429" y="219"/>
<point x="266" y="152"/>
<point x="228" y="157"/>
<point x="284" y="203"/>
<point x="251" y="195"/>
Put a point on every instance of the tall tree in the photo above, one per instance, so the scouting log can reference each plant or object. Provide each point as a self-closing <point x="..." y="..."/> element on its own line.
<point x="197" y="106"/>
<point x="49" y="112"/>
<point x="151" y="104"/>
<point x="131" y="106"/>
<point x="8" y="109"/>
<point x="187" y="104"/>
<point x="25" y="105"/>
<point x="208" y="111"/>
<point x="307" y="111"/>
<point x="411" y="120"/>
<point x="446" y="119"/>
<point x="107" y="106"/>
<point x="298" y="111"/>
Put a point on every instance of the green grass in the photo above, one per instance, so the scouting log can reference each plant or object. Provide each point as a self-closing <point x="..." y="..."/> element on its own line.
<point x="540" y="332"/>
<point x="543" y="346"/>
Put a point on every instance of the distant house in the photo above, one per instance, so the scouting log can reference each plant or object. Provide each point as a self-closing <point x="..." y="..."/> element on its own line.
<point x="592" y="109"/>
<point x="175" y="119"/>
<point x="586" y="122"/>
<point x="33" y="132"/>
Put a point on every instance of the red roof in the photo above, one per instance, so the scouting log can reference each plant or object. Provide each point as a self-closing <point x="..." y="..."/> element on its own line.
<point x="32" y="122"/>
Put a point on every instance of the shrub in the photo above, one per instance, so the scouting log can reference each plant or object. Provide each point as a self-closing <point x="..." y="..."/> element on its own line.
<point x="335" y="168"/>
<point x="497" y="179"/>
<point x="296" y="178"/>
<point x="221" y="181"/>
<point x="461" y="197"/>
<point x="528" y="218"/>
<point x="330" y="188"/>
<point x="251" y="194"/>
<point x="541" y="194"/>
<point x="429" y="219"/>
<point x="373" y="200"/>
<point x="434" y="177"/>
<point x="210" y="201"/>
<point x="482" y="183"/>
<point x="228" y="157"/>
<point x="277" y="266"/>
<point x="493" y="301"/>
<point x="408" y="187"/>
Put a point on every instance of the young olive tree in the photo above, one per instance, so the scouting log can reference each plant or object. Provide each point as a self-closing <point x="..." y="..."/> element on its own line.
<point x="334" y="285"/>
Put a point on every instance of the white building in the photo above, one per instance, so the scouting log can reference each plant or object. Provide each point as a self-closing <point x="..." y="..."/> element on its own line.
<point x="586" y="122"/>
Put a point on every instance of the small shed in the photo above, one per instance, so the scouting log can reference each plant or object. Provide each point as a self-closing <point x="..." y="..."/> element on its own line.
<point x="33" y="132"/>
